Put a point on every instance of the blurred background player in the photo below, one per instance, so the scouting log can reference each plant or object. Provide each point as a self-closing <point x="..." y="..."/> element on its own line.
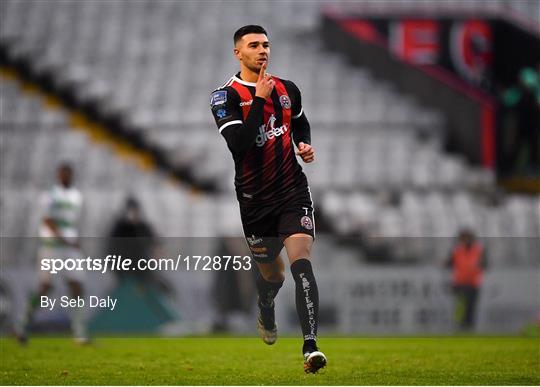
<point x="61" y="208"/>
<point x="258" y="114"/>
<point x="133" y="236"/>
<point x="233" y="290"/>
<point x="468" y="261"/>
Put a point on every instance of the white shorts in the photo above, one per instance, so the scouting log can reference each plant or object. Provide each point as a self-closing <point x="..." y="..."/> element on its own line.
<point x="63" y="253"/>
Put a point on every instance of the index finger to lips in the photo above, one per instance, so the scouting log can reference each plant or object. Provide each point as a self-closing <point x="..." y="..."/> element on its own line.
<point x="262" y="71"/>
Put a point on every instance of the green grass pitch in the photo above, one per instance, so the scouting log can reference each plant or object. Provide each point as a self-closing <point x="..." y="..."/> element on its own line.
<point x="241" y="361"/>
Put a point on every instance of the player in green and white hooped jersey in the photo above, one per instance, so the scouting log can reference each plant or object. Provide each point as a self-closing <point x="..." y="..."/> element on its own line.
<point x="61" y="208"/>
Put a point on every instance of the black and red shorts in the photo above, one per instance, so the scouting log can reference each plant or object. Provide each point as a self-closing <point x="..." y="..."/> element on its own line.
<point x="266" y="227"/>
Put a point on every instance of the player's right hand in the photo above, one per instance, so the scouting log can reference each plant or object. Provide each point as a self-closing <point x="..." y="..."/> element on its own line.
<point x="265" y="84"/>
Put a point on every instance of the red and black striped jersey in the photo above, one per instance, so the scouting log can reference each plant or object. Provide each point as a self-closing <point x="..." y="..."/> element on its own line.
<point x="267" y="171"/>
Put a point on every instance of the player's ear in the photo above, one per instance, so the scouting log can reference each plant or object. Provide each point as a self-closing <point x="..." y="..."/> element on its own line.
<point x="236" y="52"/>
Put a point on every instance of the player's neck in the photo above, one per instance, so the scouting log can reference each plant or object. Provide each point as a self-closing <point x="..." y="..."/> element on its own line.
<point x="248" y="75"/>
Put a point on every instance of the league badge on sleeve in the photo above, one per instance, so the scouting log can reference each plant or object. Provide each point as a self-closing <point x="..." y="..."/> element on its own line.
<point x="218" y="98"/>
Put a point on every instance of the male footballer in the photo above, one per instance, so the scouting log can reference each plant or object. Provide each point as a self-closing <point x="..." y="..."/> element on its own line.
<point x="62" y="208"/>
<point x="260" y="115"/>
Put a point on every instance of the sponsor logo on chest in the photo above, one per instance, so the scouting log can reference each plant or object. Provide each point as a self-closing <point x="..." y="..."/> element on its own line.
<point x="268" y="131"/>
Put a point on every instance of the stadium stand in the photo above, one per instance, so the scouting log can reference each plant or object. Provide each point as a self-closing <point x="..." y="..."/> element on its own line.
<point x="381" y="171"/>
<point x="35" y="138"/>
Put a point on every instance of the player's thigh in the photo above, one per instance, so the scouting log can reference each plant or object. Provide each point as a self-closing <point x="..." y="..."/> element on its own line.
<point x="45" y="277"/>
<point x="75" y="278"/>
<point x="262" y="237"/>
<point x="69" y="272"/>
<point x="297" y="228"/>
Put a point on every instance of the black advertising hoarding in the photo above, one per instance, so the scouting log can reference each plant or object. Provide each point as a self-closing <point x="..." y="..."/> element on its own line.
<point x="454" y="63"/>
<point x="464" y="47"/>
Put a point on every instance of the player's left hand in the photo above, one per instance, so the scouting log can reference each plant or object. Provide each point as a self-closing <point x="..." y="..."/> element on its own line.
<point x="306" y="152"/>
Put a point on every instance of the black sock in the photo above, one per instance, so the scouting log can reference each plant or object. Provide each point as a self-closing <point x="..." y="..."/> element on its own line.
<point x="267" y="291"/>
<point x="307" y="302"/>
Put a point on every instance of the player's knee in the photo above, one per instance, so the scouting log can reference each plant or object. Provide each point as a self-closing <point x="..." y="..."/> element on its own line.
<point x="76" y="288"/>
<point x="275" y="277"/>
<point x="298" y="246"/>
<point x="274" y="273"/>
<point x="44" y="288"/>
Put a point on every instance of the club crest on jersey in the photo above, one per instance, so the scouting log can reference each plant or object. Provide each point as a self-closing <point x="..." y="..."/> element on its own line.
<point x="218" y="98"/>
<point x="306" y="222"/>
<point x="285" y="102"/>
<point x="269" y="131"/>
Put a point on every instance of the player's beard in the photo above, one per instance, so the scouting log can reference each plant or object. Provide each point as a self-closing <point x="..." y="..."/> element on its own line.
<point x="255" y="66"/>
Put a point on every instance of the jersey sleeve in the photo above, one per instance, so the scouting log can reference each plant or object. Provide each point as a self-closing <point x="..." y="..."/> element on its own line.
<point x="225" y="107"/>
<point x="300" y="124"/>
<point x="296" y="97"/>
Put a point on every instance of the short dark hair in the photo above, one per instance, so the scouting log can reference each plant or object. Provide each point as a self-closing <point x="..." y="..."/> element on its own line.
<point x="64" y="165"/>
<point x="132" y="202"/>
<point x="249" y="29"/>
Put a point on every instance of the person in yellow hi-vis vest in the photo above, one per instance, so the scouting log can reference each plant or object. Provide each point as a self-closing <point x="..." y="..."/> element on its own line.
<point x="468" y="261"/>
